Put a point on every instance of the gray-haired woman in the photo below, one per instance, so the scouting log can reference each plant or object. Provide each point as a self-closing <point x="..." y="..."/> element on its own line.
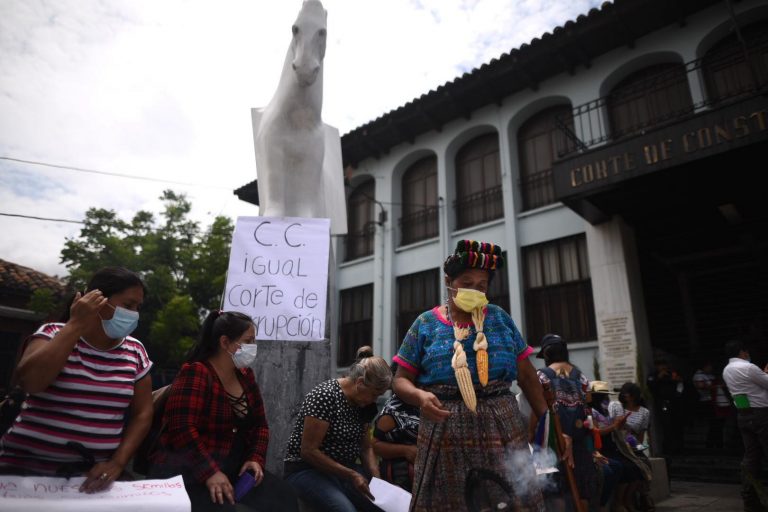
<point x="331" y="434"/>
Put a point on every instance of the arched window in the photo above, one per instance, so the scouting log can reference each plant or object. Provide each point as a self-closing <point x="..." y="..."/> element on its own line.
<point x="419" y="220"/>
<point x="649" y="97"/>
<point x="478" y="182"/>
<point x="539" y="141"/>
<point x="728" y="72"/>
<point x="355" y="322"/>
<point x="360" y="221"/>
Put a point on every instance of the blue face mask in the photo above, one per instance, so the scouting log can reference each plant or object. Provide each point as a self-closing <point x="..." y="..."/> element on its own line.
<point x="122" y="323"/>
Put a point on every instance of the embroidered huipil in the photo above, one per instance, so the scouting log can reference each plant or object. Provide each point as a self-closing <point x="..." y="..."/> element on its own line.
<point x="428" y="347"/>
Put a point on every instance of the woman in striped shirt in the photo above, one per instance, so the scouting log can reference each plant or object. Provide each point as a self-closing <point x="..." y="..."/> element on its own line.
<point x="82" y="377"/>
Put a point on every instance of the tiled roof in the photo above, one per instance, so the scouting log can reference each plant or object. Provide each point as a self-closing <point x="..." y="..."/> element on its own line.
<point x="19" y="280"/>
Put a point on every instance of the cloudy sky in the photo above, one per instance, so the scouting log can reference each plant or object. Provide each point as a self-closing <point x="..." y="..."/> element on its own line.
<point x="162" y="89"/>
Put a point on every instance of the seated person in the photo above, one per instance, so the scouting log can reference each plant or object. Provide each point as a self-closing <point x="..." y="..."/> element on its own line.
<point x="332" y="433"/>
<point x="84" y="376"/>
<point x="615" y="449"/>
<point x="216" y="428"/>
<point x="395" y="431"/>
<point x="630" y="400"/>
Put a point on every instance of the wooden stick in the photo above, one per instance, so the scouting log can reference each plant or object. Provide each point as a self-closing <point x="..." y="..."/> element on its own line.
<point x="555" y="420"/>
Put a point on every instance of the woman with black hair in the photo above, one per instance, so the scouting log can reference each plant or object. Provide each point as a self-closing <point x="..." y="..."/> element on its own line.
<point x="457" y="363"/>
<point x="630" y="400"/>
<point x="395" y="431"/>
<point x="216" y="428"/>
<point x="569" y="389"/>
<point x="633" y="472"/>
<point x="84" y="379"/>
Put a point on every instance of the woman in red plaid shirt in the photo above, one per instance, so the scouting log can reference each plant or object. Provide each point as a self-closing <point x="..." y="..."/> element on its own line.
<point x="216" y="426"/>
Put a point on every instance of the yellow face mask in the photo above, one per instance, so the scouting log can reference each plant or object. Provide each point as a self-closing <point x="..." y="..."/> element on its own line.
<point x="468" y="300"/>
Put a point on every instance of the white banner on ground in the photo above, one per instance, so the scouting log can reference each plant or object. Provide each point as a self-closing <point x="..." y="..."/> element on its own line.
<point x="33" y="493"/>
<point x="278" y="275"/>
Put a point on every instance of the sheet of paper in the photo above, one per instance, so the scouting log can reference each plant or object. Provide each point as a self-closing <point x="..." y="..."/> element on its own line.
<point x="389" y="498"/>
<point x="543" y="461"/>
<point x="35" y="493"/>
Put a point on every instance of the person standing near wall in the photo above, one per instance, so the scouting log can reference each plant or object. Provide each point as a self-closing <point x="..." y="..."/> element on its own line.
<point x="748" y="385"/>
<point x="704" y="381"/>
<point x="667" y="387"/>
<point x="569" y="386"/>
<point x="457" y="363"/>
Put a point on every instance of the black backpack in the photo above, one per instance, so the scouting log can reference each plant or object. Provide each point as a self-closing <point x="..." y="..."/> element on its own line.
<point x="10" y="407"/>
<point x="13" y="401"/>
<point x="141" y="459"/>
<point x="570" y="401"/>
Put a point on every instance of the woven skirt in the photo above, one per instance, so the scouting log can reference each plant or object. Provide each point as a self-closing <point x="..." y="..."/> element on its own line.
<point x="493" y="440"/>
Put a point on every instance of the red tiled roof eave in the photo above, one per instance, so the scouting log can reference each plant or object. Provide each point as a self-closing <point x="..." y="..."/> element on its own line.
<point x="20" y="280"/>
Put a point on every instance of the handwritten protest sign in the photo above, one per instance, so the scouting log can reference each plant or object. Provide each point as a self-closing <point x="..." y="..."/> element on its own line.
<point x="278" y="275"/>
<point x="33" y="493"/>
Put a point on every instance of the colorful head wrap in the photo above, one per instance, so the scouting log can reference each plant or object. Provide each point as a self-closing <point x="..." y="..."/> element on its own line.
<point x="473" y="254"/>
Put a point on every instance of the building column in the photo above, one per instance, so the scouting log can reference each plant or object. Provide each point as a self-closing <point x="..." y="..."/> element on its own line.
<point x="695" y="76"/>
<point x="622" y="330"/>
<point x="510" y="170"/>
<point x="382" y="270"/>
<point x="442" y="215"/>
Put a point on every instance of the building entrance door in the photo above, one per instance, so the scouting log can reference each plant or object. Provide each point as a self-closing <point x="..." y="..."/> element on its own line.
<point x="702" y="243"/>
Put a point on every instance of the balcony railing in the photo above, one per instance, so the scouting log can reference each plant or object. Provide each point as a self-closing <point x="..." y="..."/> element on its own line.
<point x="419" y="225"/>
<point x="538" y="189"/>
<point x="360" y="244"/>
<point x="479" y="207"/>
<point x="663" y="98"/>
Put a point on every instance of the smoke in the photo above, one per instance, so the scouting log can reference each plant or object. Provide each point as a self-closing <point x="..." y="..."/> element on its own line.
<point x="526" y="471"/>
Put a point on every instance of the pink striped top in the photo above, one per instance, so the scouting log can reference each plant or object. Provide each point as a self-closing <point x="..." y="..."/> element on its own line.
<point x="86" y="403"/>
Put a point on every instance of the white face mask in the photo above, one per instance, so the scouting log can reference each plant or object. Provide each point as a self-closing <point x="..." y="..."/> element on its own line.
<point x="245" y="355"/>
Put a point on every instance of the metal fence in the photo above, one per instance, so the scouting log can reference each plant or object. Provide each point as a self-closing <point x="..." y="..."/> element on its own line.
<point x="479" y="207"/>
<point x="664" y="97"/>
<point x="420" y="225"/>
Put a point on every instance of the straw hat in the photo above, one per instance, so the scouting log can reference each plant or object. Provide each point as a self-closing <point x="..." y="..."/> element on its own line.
<point x="599" y="386"/>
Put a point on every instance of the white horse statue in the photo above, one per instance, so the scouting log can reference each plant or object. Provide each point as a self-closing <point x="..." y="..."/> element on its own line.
<point x="298" y="157"/>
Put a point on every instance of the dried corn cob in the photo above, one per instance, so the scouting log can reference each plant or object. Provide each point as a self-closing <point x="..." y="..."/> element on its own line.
<point x="481" y="347"/>
<point x="460" y="333"/>
<point x="481" y="357"/>
<point x="463" y="377"/>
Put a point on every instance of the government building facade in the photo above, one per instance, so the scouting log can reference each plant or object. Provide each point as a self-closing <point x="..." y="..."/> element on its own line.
<point x="618" y="162"/>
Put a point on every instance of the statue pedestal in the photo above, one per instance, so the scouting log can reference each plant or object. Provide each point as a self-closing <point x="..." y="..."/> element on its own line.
<point x="286" y="371"/>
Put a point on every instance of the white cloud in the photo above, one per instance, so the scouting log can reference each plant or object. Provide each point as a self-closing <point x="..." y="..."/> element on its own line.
<point x="164" y="89"/>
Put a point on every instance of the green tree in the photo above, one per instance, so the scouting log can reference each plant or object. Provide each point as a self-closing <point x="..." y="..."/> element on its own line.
<point x="43" y="300"/>
<point x="183" y="267"/>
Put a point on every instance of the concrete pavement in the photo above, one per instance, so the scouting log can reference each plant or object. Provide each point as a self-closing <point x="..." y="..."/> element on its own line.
<point x="701" y="496"/>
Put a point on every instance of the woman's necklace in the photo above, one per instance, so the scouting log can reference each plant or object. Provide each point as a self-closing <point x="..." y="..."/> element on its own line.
<point x="459" y="333"/>
<point x="480" y="345"/>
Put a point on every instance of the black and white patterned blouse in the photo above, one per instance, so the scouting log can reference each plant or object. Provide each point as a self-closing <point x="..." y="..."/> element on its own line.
<point x="406" y="419"/>
<point x="346" y="423"/>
